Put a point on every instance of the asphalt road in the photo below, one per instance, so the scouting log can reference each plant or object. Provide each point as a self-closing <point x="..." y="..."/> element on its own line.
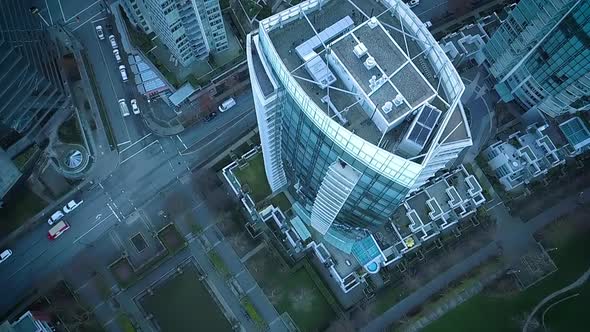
<point x="147" y="164"/>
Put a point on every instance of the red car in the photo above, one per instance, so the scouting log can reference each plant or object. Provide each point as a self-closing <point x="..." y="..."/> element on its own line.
<point x="57" y="230"/>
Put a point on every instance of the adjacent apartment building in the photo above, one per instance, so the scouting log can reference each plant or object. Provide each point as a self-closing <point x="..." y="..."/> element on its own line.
<point x="191" y="29"/>
<point x="32" y="84"/>
<point x="357" y="107"/>
<point x="540" y="56"/>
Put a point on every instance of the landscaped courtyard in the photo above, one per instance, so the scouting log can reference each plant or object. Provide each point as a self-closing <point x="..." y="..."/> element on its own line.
<point x="254" y="178"/>
<point x="508" y="308"/>
<point x="183" y="303"/>
<point x="294" y="292"/>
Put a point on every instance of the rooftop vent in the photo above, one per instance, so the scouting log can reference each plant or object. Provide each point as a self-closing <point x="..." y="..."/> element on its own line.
<point x="387" y="107"/>
<point x="360" y="50"/>
<point x="370" y="63"/>
<point x="373" y="22"/>
<point x="373" y="82"/>
<point x="398" y="100"/>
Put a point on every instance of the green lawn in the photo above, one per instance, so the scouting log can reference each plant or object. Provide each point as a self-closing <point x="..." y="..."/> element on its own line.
<point x="281" y="201"/>
<point x="184" y="304"/>
<point x="254" y="176"/>
<point x="293" y="292"/>
<point x="69" y="131"/>
<point x="505" y="311"/>
<point x="571" y="314"/>
<point x="18" y="209"/>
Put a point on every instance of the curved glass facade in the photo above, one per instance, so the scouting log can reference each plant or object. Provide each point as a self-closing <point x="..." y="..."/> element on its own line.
<point x="312" y="142"/>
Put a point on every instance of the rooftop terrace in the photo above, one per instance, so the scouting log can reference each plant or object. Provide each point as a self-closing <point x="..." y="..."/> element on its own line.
<point x="369" y="68"/>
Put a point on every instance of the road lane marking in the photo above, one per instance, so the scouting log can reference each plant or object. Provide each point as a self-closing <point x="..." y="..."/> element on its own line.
<point x="49" y="11"/>
<point x="100" y="19"/>
<point x="113" y="211"/>
<point x="62" y="10"/>
<point x="138" y="152"/>
<point x="88" y="20"/>
<point x="141" y="139"/>
<point x="93" y="227"/>
<point x="181" y="141"/>
<point x="83" y="10"/>
<point x="123" y="143"/>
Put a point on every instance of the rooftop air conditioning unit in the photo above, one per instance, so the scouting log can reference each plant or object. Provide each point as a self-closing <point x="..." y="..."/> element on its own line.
<point x="398" y="100"/>
<point x="373" y="82"/>
<point x="387" y="107"/>
<point x="370" y="63"/>
<point x="360" y="50"/>
<point x="373" y="22"/>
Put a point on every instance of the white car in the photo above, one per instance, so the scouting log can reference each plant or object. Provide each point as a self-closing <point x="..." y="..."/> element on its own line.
<point x="226" y="105"/>
<point x="413" y="3"/>
<point x="124" y="108"/>
<point x="55" y="217"/>
<point x="71" y="206"/>
<point x="123" y="73"/>
<point x="100" y="32"/>
<point x="117" y="55"/>
<point x="5" y="254"/>
<point x="113" y="41"/>
<point x="134" y="107"/>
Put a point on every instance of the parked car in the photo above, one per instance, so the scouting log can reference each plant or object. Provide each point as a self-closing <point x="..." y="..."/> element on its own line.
<point x="5" y="254"/>
<point x="210" y="116"/>
<point x="117" y="55"/>
<point x="413" y="3"/>
<point x="113" y="41"/>
<point x="134" y="107"/>
<point x="123" y="73"/>
<point x="124" y="108"/>
<point x="57" y="230"/>
<point x="226" y="105"/>
<point x="55" y="217"/>
<point x="100" y="32"/>
<point x="72" y="205"/>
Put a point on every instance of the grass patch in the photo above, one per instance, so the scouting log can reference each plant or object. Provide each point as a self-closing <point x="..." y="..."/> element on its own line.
<point x="252" y="312"/>
<point x="171" y="239"/>
<point x="125" y="323"/>
<point x="281" y="201"/>
<point x="507" y="310"/>
<point x="69" y="131"/>
<point x="295" y="292"/>
<point x="219" y="264"/>
<point x="570" y="314"/>
<point x="251" y="7"/>
<point x="183" y="303"/>
<point x="254" y="177"/>
<point x="19" y="208"/>
<point x="21" y="160"/>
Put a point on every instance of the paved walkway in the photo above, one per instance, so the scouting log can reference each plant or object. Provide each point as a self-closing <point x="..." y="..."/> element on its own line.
<point x="579" y="282"/>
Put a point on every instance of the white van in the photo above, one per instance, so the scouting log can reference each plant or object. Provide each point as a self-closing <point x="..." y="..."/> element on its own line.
<point x="227" y="105"/>
<point x="124" y="108"/>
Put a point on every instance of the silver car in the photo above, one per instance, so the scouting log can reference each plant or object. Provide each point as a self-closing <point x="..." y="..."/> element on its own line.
<point x="5" y="254"/>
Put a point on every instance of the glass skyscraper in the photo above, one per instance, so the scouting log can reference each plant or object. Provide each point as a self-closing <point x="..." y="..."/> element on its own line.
<point x="30" y="77"/>
<point x="540" y="56"/>
<point x="357" y="106"/>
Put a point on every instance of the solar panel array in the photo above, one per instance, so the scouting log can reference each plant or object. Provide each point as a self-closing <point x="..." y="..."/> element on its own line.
<point x="423" y="127"/>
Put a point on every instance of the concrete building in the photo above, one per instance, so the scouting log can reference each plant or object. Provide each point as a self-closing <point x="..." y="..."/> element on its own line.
<point x="9" y="174"/>
<point x="466" y="44"/>
<point x="354" y="112"/>
<point x="577" y="134"/>
<point x="31" y="81"/>
<point x="191" y="29"/>
<point x="28" y="322"/>
<point x="540" y="56"/>
<point x="524" y="156"/>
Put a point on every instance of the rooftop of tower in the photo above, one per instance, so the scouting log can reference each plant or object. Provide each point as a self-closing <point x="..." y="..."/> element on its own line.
<point x="375" y="70"/>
